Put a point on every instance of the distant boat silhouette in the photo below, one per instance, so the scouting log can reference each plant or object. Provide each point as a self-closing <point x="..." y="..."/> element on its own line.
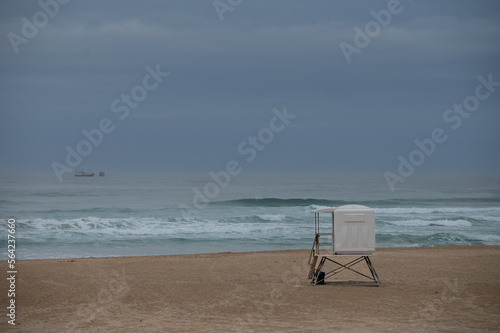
<point x="83" y="174"/>
<point x="101" y="174"/>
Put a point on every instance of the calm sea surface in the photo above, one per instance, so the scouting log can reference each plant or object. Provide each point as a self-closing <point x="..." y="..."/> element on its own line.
<point x="153" y="214"/>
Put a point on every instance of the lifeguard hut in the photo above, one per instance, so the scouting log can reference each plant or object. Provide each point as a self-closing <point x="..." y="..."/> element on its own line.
<point x="352" y="234"/>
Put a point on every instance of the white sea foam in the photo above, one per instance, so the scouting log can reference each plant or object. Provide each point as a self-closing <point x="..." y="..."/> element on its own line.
<point x="191" y="228"/>
<point x="486" y="218"/>
<point x="426" y="223"/>
<point x="314" y="207"/>
<point x="488" y="239"/>
<point x="272" y="217"/>
<point x="434" y="210"/>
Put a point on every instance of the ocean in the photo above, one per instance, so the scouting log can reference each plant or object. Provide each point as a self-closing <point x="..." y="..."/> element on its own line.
<point x="160" y="214"/>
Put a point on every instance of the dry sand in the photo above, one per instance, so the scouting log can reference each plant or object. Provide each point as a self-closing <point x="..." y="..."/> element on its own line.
<point x="440" y="289"/>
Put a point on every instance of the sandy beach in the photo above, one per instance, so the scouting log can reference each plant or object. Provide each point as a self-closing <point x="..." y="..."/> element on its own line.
<point x="439" y="289"/>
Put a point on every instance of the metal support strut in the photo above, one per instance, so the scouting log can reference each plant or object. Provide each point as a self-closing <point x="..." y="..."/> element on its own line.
<point x="319" y="278"/>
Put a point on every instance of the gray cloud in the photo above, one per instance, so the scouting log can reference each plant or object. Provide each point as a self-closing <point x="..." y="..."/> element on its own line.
<point x="227" y="76"/>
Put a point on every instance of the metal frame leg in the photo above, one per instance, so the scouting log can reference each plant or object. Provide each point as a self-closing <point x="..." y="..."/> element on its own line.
<point x="374" y="276"/>
<point x="372" y="270"/>
<point x="316" y="280"/>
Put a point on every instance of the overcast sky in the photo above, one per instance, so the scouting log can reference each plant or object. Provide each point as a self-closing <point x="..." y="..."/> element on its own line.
<point x="230" y="65"/>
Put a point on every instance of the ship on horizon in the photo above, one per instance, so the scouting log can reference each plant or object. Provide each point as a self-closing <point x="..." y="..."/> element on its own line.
<point x="83" y="174"/>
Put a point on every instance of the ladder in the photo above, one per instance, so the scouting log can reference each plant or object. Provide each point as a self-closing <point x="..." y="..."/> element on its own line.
<point x="315" y="252"/>
<point x="312" y="264"/>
